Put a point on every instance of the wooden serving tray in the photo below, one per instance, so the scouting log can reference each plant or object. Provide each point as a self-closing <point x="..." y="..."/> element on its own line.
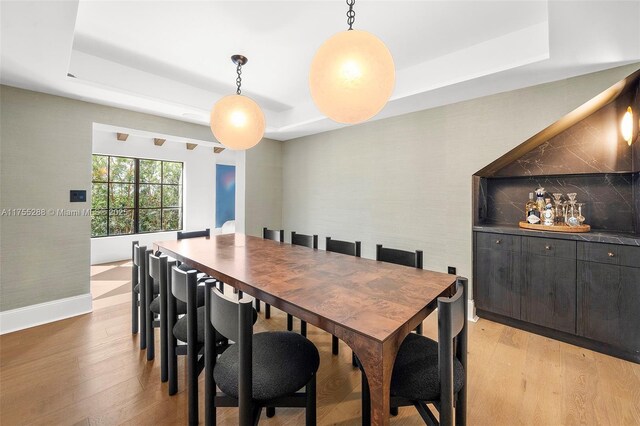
<point x="555" y="228"/>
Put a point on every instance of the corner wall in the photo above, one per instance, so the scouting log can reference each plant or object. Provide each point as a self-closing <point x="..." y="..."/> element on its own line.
<point x="46" y="151"/>
<point x="406" y="181"/>
<point x="263" y="192"/>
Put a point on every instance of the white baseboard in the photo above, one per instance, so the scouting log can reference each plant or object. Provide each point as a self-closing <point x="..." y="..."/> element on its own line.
<point x="472" y="311"/>
<point x="43" y="313"/>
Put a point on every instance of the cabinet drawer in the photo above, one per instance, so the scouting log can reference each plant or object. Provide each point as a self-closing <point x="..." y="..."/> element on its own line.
<point x="549" y="247"/>
<point x="613" y="254"/>
<point x="498" y="241"/>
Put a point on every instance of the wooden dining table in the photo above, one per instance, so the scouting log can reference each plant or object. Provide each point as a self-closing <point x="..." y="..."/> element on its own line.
<point x="369" y="305"/>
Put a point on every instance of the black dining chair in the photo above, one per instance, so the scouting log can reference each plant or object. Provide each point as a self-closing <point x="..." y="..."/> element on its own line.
<point x="400" y="257"/>
<point x="350" y="249"/>
<point x="430" y="372"/>
<point x="159" y="270"/>
<point x="194" y="234"/>
<point x="139" y="298"/>
<point x="269" y="234"/>
<point x="310" y="241"/>
<point x="260" y="370"/>
<point x="190" y="328"/>
<point x="135" y="293"/>
<point x="153" y="284"/>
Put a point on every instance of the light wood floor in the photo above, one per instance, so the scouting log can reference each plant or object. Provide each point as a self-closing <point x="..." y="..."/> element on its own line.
<point x="88" y="370"/>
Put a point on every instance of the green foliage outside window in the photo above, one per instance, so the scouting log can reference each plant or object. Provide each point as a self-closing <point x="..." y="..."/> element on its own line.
<point x="131" y="195"/>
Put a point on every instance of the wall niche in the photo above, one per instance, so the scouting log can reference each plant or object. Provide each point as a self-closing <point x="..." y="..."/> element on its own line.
<point x="583" y="152"/>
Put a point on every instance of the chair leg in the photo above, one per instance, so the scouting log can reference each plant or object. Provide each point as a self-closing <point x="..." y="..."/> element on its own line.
<point x="192" y="382"/>
<point x="151" y="335"/>
<point x="267" y="310"/>
<point x="461" y="407"/>
<point x="271" y="411"/>
<point x="419" y="329"/>
<point x="310" y="412"/>
<point x="143" y="318"/>
<point x="172" y="364"/>
<point x="303" y="328"/>
<point x="334" y="345"/>
<point x="134" y="312"/>
<point x="257" y="302"/>
<point x="289" y="322"/>
<point x="366" y="400"/>
<point x="164" y="351"/>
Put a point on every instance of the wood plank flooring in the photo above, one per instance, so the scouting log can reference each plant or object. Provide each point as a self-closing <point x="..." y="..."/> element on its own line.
<point x="88" y="370"/>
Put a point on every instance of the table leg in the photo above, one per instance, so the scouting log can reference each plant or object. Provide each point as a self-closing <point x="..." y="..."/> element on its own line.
<point x="377" y="361"/>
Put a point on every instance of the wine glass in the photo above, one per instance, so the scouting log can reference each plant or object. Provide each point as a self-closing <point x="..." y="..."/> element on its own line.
<point x="572" y="219"/>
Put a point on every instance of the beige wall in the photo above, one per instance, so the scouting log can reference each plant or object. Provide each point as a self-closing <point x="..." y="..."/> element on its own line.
<point x="405" y="181"/>
<point x="45" y="149"/>
<point x="263" y="192"/>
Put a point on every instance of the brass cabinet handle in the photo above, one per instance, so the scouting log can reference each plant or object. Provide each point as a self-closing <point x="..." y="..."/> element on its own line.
<point x="547" y="247"/>
<point x="611" y="254"/>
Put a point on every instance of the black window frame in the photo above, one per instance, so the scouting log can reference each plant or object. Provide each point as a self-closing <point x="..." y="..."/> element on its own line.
<point x="136" y="195"/>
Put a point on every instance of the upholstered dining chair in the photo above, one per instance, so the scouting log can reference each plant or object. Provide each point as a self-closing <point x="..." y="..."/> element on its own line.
<point x="260" y="370"/>
<point x="400" y="257"/>
<point x="159" y="270"/>
<point x="135" y="286"/>
<point x="194" y="234"/>
<point x="183" y="287"/>
<point x="310" y="241"/>
<point x="139" y="299"/>
<point x="155" y="302"/>
<point x="350" y="249"/>
<point x="270" y="234"/>
<point x="426" y="371"/>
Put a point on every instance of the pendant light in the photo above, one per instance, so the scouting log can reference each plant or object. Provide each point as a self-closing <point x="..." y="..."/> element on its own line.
<point x="237" y="121"/>
<point x="352" y="74"/>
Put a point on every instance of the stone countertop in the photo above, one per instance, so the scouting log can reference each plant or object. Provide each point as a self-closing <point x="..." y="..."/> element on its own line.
<point x="593" y="236"/>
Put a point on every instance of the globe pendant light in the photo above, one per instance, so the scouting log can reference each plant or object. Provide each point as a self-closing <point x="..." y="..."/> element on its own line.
<point x="237" y="121"/>
<point x="352" y="75"/>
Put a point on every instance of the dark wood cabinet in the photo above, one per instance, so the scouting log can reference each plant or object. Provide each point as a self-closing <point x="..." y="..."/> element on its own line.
<point x="549" y="283"/>
<point x="498" y="274"/>
<point x="584" y="293"/>
<point x="609" y="295"/>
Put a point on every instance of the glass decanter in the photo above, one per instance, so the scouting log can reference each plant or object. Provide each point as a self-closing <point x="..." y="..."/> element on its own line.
<point x="557" y="199"/>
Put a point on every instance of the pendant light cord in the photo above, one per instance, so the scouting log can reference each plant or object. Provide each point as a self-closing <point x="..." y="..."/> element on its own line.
<point x="351" y="14"/>
<point x="239" y="78"/>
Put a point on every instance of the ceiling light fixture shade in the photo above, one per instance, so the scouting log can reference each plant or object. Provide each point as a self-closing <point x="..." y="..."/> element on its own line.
<point x="626" y="126"/>
<point x="237" y="121"/>
<point x="352" y="75"/>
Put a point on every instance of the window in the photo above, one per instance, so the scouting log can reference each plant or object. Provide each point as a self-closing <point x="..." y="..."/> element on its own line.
<point x="134" y="196"/>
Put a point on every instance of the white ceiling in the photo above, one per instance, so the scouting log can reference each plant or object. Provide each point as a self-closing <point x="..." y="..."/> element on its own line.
<point x="171" y="58"/>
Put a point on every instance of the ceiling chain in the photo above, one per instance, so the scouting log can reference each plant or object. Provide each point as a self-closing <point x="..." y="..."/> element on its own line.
<point x="239" y="79"/>
<point x="351" y="14"/>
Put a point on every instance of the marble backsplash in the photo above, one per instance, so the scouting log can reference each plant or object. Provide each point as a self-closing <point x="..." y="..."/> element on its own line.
<point x="612" y="201"/>
<point x="593" y="145"/>
<point x="636" y="202"/>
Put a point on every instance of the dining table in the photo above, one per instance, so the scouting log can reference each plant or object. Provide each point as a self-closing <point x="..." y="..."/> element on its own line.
<point x="369" y="305"/>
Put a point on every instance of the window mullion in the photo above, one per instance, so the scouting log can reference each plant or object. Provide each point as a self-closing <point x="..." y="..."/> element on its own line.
<point x="136" y="197"/>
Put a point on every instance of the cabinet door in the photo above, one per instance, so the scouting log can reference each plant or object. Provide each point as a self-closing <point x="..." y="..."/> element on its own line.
<point x="497" y="281"/>
<point x="549" y="293"/>
<point x="608" y="309"/>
